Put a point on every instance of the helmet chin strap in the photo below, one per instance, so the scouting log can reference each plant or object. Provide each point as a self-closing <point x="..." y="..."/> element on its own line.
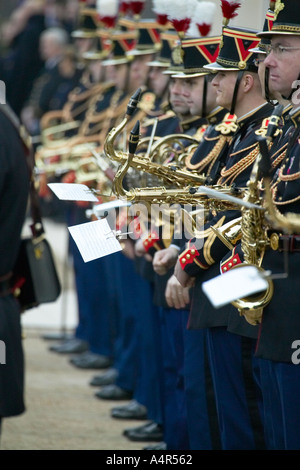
<point x="235" y="91"/>
<point x="267" y="90"/>
<point x="204" y="95"/>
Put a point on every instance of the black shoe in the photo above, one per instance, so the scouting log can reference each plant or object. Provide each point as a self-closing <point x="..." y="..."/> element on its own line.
<point x="70" y="346"/>
<point x="113" y="392"/>
<point x="57" y="336"/>
<point x="108" y="378"/>
<point x="133" y="410"/>
<point x="159" y="446"/>
<point x="150" y="432"/>
<point x="89" y="360"/>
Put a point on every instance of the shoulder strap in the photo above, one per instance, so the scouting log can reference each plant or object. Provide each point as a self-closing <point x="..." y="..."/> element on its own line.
<point x="37" y="225"/>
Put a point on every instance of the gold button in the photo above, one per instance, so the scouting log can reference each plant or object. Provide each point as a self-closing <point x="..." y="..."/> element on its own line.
<point x="224" y="270"/>
<point x="183" y="260"/>
<point x="274" y="241"/>
<point x="234" y="260"/>
<point x="192" y="252"/>
<point x="17" y="292"/>
<point x="230" y="265"/>
<point x="188" y="256"/>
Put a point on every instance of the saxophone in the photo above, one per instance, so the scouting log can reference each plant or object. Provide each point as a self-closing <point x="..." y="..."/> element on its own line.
<point x="288" y="223"/>
<point x="171" y="175"/>
<point x="254" y="231"/>
<point x="168" y="198"/>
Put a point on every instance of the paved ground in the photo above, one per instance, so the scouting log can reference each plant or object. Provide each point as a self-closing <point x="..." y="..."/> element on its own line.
<point x="62" y="412"/>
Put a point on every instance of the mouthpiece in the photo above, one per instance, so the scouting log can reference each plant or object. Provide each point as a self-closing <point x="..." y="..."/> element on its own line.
<point x="135" y="98"/>
<point x="134" y="138"/>
<point x="265" y="162"/>
<point x="274" y="121"/>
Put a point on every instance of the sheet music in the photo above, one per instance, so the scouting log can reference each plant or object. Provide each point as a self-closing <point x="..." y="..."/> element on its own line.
<point x="94" y="239"/>
<point x="72" y="192"/>
<point x="234" y="284"/>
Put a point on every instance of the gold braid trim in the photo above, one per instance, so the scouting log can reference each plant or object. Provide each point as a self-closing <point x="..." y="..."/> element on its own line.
<point x="209" y="242"/>
<point x="292" y="177"/>
<point x="210" y="158"/>
<point x="202" y="266"/>
<point x="280" y="157"/>
<point x="230" y="174"/>
<point x="283" y="203"/>
<point x="288" y="202"/>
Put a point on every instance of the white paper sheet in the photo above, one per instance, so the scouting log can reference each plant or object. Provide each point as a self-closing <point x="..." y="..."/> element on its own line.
<point x="235" y="284"/>
<point x="107" y="206"/>
<point x="72" y="192"/>
<point x="94" y="239"/>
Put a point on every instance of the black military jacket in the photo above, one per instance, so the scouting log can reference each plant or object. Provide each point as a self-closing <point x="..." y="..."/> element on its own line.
<point x="202" y="256"/>
<point x="280" y="327"/>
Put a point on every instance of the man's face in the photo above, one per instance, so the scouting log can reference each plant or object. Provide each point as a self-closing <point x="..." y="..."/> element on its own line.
<point x="120" y="76"/>
<point x="178" y="101"/>
<point x="283" y="64"/>
<point x="224" y="83"/>
<point x="158" y="81"/>
<point x="139" y="69"/>
<point x="193" y="92"/>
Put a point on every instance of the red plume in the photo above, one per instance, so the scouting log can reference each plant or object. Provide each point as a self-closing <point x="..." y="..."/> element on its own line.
<point x="137" y="7"/>
<point x="162" y="19"/>
<point x="124" y="7"/>
<point x="229" y="10"/>
<point x="204" y="28"/>
<point x="182" y="25"/>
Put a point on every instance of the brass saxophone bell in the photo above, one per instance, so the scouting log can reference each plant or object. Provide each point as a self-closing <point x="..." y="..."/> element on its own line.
<point x="251" y="307"/>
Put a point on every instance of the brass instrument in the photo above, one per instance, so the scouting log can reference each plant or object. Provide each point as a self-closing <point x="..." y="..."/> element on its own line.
<point x="254" y="241"/>
<point x="254" y="227"/>
<point x="173" y="145"/>
<point x="169" y="197"/>
<point x="288" y="223"/>
<point x="169" y="174"/>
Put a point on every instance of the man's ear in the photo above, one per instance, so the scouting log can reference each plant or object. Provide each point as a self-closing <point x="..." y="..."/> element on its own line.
<point x="248" y="82"/>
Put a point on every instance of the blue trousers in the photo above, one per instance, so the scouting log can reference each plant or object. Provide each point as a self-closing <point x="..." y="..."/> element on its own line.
<point x="97" y="294"/>
<point x="98" y="302"/>
<point x="149" y="386"/>
<point x="281" y="392"/>
<point x="236" y="379"/>
<point x="130" y="292"/>
<point x="200" y="401"/>
<point x="174" y="403"/>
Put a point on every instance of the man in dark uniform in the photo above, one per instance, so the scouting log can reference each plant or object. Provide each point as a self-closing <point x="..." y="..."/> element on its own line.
<point x="185" y="420"/>
<point x="278" y="341"/>
<point x="135" y="364"/>
<point x="238" y="90"/>
<point x="14" y="184"/>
